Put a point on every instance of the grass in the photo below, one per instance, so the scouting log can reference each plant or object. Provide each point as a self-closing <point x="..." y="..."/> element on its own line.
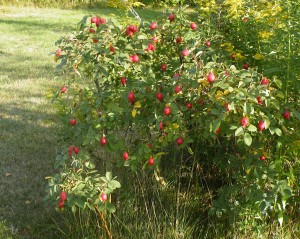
<point x="27" y="119"/>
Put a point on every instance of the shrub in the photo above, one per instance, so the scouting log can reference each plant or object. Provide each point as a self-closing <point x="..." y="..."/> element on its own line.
<point x="151" y="94"/>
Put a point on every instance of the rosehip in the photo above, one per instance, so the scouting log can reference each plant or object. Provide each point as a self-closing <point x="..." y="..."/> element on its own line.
<point x="72" y="122"/>
<point x="167" y="110"/>
<point x="246" y="66"/>
<point x="179" y="141"/>
<point x="261" y="125"/>
<point x="123" y="80"/>
<point x="211" y="77"/>
<point x="264" y="81"/>
<point x="76" y="150"/>
<point x="178" y="39"/>
<point x="286" y="114"/>
<point x="177" y="89"/>
<point x="163" y="67"/>
<point x="125" y="156"/>
<point x="151" y="161"/>
<point x="131" y="97"/>
<point x="207" y="43"/>
<point x="103" y="197"/>
<point x="153" y="25"/>
<point x="134" y="58"/>
<point x="63" y="196"/>
<point x="171" y="17"/>
<point x="159" y="96"/>
<point x="244" y="121"/>
<point x="103" y="141"/>
<point x="185" y="52"/>
<point x="188" y="105"/>
<point x="61" y="204"/>
<point x="63" y="89"/>
<point x="193" y="26"/>
<point x="262" y="158"/>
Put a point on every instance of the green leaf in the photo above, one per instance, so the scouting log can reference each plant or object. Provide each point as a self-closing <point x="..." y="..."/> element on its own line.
<point x="247" y="108"/>
<point x="110" y="207"/>
<point x="278" y="131"/>
<point x="297" y="114"/>
<point x="280" y="217"/>
<point x="113" y="184"/>
<point x="239" y="131"/>
<point x="252" y="128"/>
<point x="109" y="176"/>
<point x="247" y="139"/>
<point x="216" y="124"/>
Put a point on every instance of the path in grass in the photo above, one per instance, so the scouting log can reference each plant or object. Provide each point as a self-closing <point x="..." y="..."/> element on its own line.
<point x="27" y="120"/>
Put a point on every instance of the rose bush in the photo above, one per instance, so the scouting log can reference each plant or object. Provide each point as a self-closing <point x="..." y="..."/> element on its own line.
<point x="133" y="94"/>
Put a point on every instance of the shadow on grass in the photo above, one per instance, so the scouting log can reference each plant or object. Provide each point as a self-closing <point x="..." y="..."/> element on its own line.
<point x="27" y="146"/>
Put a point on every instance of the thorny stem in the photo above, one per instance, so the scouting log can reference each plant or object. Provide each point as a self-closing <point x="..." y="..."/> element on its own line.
<point x="103" y="221"/>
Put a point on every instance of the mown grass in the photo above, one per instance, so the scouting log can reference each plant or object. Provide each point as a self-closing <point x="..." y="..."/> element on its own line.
<point x="27" y="119"/>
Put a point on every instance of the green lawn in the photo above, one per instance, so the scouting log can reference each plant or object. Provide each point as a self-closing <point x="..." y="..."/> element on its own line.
<point x="27" y="119"/>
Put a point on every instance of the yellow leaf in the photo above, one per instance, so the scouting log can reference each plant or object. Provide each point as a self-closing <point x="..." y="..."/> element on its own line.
<point x="133" y="113"/>
<point x="137" y="105"/>
<point x="175" y="126"/>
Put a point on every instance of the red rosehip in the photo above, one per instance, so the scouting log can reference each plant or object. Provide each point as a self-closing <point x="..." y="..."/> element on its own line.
<point x="134" y="58"/>
<point x="125" y="156"/>
<point x="95" y="40"/>
<point x="72" y="122"/>
<point x="177" y="89"/>
<point x="104" y="197"/>
<point x="261" y="125"/>
<point x="161" y="125"/>
<point x="112" y="49"/>
<point x="61" y="204"/>
<point x="193" y="26"/>
<point x="218" y="130"/>
<point x="76" y="150"/>
<point x="63" y="89"/>
<point x="154" y="39"/>
<point x="70" y="151"/>
<point x="246" y="66"/>
<point x="207" y="43"/>
<point x="153" y="25"/>
<point x="58" y="52"/>
<point x="131" y="97"/>
<point x="188" y="105"/>
<point x="163" y="67"/>
<point x="94" y="19"/>
<point x="103" y="141"/>
<point x="244" y="121"/>
<point x="151" y="161"/>
<point x="159" y="96"/>
<point x="232" y="56"/>
<point x="150" y="145"/>
<point x="264" y="81"/>
<point x="171" y="17"/>
<point x="92" y="30"/>
<point x="259" y="101"/>
<point x="262" y="158"/>
<point x="123" y="80"/>
<point x="176" y="75"/>
<point x="179" y="141"/>
<point x="226" y="106"/>
<point x="178" y="39"/>
<point x="150" y="47"/>
<point x="63" y="196"/>
<point x="286" y="114"/>
<point x="167" y="110"/>
<point x="185" y="52"/>
<point x="211" y="77"/>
